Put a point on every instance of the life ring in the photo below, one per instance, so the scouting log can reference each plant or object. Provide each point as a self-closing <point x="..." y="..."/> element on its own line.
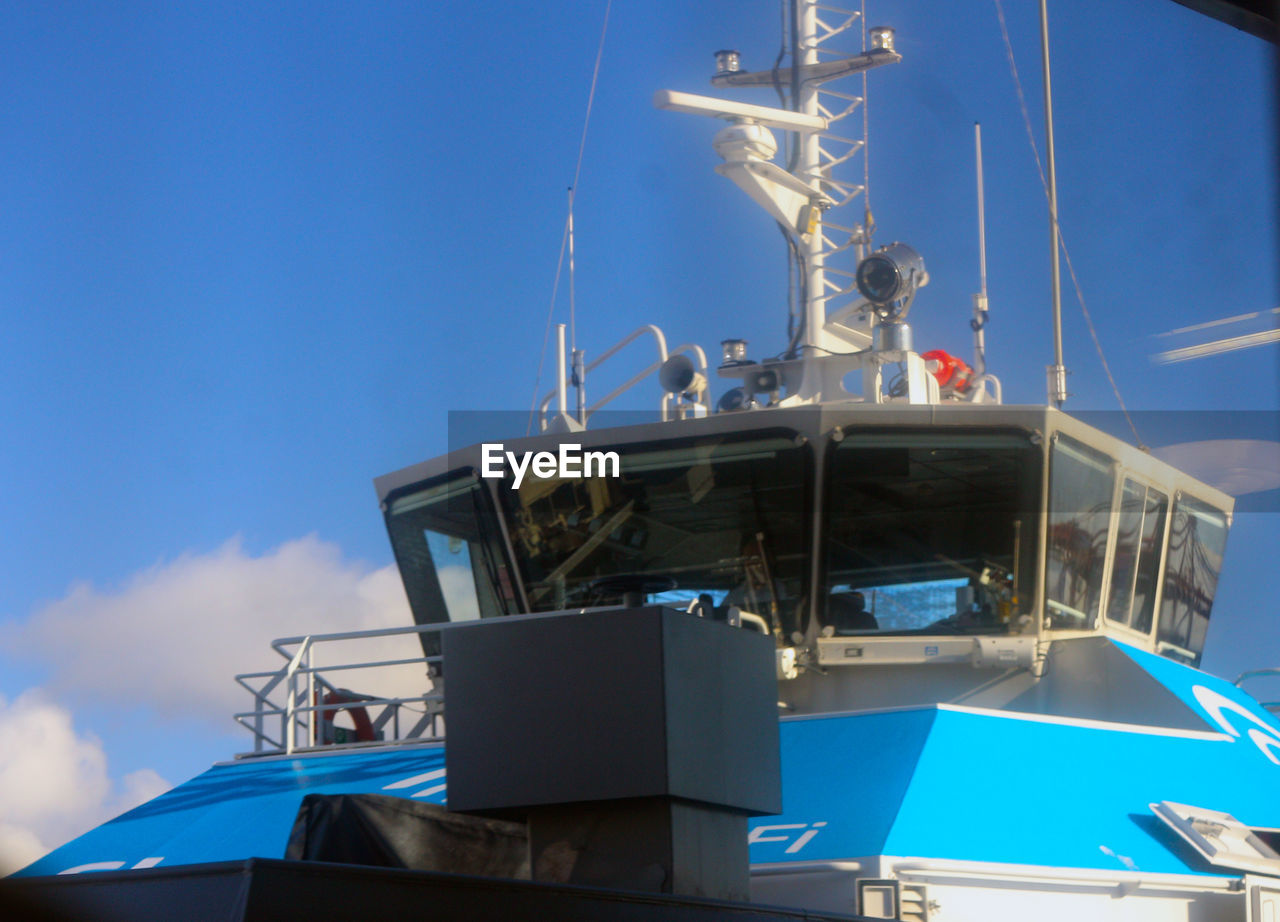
<point x="345" y="701"/>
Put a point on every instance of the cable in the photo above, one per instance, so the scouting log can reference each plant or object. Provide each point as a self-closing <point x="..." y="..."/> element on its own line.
<point x="796" y="331"/>
<point x="782" y="53"/>
<point x="791" y="290"/>
<point x="582" y="146"/>
<point x="1093" y="333"/>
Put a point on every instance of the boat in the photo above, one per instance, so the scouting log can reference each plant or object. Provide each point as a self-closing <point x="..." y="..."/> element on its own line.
<point x="982" y="623"/>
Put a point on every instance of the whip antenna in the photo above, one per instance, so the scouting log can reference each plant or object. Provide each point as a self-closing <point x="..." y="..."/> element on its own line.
<point x="979" y="321"/>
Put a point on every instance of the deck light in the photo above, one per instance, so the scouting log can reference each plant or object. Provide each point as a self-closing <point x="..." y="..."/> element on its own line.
<point x="890" y="275"/>
<point x="881" y="37"/>
<point x="734" y="350"/>
<point x="727" y="62"/>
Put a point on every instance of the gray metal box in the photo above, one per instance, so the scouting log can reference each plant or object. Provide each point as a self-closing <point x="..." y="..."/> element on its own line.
<point x="609" y="705"/>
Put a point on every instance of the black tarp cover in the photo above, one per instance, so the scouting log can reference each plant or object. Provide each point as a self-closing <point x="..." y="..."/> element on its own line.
<point x="393" y="832"/>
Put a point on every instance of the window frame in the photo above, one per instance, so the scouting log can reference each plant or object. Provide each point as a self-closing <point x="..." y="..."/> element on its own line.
<point x="1116" y="471"/>
<point x="1165" y="647"/>
<point x="657" y="449"/>
<point x="1123" y="478"/>
<point x="469" y="480"/>
<point x="1027" y="544"/>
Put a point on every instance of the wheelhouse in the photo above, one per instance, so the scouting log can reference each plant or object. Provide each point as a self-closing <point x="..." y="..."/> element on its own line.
<point x="860" y="536"/>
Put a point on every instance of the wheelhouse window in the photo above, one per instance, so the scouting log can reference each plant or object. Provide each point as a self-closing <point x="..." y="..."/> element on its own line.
<point x="724" y="518"/>
<point x="1136" y="569"/>
<point x="929" y="533"/>
<point x="446" y="543"/>
<point x="1197" y="541"/>
<point x="1081" y="484"/>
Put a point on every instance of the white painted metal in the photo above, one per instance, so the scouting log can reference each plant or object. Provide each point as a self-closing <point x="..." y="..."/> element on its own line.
<point x="984" y="384"/>
<point x="784" y="119"/>
<point x="836" y="320"/>
<point x="972" y="891"/>
<point x="562" y="403"/>
<point x="303" y="711"/>
<point x="1264" y="899"/>
<point x="871" y="650"/>
<point x="700" y="407"/>
<point x="809" y="167"/>
<point x="830" y="284"/>
<point x="1220" y="838"/>
<point x="1258" y="674"/>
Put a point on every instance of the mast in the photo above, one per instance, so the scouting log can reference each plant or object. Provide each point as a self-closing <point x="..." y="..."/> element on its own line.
<point x="836" y="319"/>
<point x="805" y="53"/>
<point x="820" y="153"/>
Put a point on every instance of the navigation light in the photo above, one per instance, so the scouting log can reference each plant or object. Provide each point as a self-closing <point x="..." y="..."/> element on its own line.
<point x="728" y="62"/>
<point x="881" y="37"/>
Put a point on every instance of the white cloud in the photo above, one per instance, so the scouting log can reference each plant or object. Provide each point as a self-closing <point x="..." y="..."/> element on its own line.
<point x="53" y="781"/>
<point x="174" y="636"/>
<point x="18" y="848"/>
<point x="170" y="641"/>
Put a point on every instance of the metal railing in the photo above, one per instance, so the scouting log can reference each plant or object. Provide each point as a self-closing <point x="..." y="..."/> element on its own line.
<point x="295" y="706"/>
<point x="660" y="340"/>
<point x="302" y="699"/>
<point x="1274" y="672"/>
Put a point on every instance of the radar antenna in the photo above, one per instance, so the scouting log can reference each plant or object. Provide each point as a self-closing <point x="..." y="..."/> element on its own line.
<point x="828" y="281"/>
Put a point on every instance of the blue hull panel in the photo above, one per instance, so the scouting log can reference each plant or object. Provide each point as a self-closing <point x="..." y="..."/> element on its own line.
<point x="938" y="782"/>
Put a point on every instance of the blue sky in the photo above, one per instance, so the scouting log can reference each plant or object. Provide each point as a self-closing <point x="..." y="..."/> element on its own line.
<point x="250" y="258"/>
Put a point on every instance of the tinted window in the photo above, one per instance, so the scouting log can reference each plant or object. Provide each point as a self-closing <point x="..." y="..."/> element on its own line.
<point x="1081" y="483"/>
<point x="724" y="518"/>
<point x="445" y="541"/>
<point x="1197" y="540"/>
<point x="1139" y="541"/>
<point x="928" y="532"/>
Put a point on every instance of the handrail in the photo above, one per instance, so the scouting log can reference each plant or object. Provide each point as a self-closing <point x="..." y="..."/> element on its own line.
<point x="637" y="378"/>
<point x="305" y="714"/>
<point x="414" y="629"/>
<point x="303" y="724"/>
<point x="291" y="678"/>
<point x="304" y="708"/>
<point x="1254" y="673"/>
<point x="613" y="350"/>
<point x="663" y="355"/>
<point x="1274" y="671"/>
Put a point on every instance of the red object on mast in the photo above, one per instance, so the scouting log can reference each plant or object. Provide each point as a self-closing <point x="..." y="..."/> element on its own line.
<point x="954" y="375"/>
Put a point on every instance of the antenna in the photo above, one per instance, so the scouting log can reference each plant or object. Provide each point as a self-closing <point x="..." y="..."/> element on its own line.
<point x="576" y="357"/>
<point x="1057" y="371"/>
<point x="982" y="383"/>
<point x="979" y="321"/>
<point x="770" y="117"/>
